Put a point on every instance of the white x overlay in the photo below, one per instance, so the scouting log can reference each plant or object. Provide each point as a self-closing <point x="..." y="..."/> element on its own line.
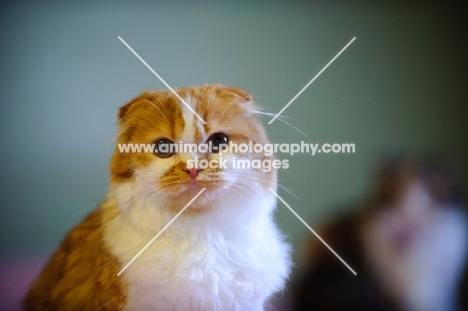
<point x="277" y="115"/>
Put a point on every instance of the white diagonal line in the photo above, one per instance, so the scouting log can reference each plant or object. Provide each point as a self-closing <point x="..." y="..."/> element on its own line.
<point x="312" y="230"/>
<point x="159" y="233"/>
<point x="313" y="79"/>
<point x="162" y="80"/>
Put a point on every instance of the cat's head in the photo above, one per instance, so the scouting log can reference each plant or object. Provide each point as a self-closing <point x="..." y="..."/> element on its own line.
<point x="170" y="178"/>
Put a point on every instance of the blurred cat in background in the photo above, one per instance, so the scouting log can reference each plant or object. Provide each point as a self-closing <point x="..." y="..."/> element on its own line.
<point x="408" y="245"/>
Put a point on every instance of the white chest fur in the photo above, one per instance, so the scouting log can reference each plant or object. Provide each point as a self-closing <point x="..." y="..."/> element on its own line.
<point x="229" y="258"/>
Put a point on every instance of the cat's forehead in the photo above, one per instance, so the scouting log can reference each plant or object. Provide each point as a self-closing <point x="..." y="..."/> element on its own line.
<point x="161" y="113"/>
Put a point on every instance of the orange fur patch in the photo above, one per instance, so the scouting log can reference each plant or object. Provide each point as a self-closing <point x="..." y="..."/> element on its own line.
<point x="81" y="275"/>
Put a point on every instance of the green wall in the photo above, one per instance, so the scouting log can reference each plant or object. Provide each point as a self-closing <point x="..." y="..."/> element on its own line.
<point x="400" y="87"/>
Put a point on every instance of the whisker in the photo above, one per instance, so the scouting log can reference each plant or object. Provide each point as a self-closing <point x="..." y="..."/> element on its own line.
<point x="270" y="114"/>
<point x="289" y="191"/>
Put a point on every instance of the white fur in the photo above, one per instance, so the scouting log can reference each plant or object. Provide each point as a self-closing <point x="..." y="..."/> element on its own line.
<point x="217" y="260"/>
<point x="190" y="121"/>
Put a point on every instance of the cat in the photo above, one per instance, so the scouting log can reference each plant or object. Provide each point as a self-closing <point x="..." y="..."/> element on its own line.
<point x="224" y="252"/>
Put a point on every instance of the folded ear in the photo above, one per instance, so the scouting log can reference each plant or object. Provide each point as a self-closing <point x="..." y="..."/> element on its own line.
<point x="126" y="128"/>
<point x="126" y="110"/>
<point x="234" y="91"/>
<point x="241" y="93"/>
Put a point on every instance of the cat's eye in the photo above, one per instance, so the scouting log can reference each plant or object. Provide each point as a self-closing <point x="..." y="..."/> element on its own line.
<point x="164" y="148"/>
<point x="216" y="141"/>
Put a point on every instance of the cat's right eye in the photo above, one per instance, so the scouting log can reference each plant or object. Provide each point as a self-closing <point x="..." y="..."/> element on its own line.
<point x="164" y="148"/>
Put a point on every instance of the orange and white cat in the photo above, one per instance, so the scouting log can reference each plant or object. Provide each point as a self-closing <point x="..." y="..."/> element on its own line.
<point x="224" y="252"/>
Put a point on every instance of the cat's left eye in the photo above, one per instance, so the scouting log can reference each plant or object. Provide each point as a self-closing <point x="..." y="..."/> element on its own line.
<point x="164" y="148"/>
<point x="217" y="140"/>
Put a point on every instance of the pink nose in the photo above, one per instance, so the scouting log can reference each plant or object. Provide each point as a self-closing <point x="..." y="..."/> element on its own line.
<point x="193" y="172"/>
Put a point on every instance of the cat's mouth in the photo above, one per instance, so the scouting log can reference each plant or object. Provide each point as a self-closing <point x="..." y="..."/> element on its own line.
<point x="210" y="185"/>
<point x="194" y="185"/>
<point x="181" y="188"/>
<point x="190" y="189"/>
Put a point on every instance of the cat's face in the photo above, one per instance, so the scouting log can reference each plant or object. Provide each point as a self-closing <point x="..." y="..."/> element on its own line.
<point x="165" y="177"/>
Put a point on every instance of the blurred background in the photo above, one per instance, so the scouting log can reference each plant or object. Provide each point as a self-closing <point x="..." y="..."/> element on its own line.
<point x="399" y="88"/>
